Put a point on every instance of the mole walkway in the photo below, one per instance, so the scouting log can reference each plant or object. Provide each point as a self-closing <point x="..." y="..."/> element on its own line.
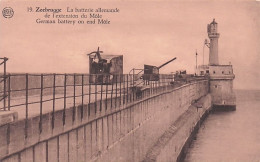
<point x="72" y="99"/>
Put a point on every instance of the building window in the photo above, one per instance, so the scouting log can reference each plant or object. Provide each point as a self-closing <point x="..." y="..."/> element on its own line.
<point x="214" y="72"/>
<point x="216" y="86"/>
<point x="207" y="71"/>
<point x="222" y="72"/>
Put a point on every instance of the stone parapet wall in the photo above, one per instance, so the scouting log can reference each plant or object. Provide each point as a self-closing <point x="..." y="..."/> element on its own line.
<point x="117" y="133"/>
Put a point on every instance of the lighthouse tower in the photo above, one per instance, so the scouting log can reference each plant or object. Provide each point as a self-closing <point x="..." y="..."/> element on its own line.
<point x="213" y="36"/>
<point x="221" y="76"/>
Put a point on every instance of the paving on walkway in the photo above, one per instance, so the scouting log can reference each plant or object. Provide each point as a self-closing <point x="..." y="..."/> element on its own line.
<point x="34" y="108"/>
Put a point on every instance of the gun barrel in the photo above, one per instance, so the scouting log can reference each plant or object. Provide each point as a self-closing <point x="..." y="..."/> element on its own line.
<point x="98" y="54"/>
<point x="166" y="63"/>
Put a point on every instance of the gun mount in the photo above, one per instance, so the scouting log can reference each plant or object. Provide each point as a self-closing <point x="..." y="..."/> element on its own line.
<point x="98" y="65"/>
<point x="104" y="67"/>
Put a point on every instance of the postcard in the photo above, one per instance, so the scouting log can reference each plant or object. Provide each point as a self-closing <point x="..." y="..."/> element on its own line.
<point x="129" y="80"/>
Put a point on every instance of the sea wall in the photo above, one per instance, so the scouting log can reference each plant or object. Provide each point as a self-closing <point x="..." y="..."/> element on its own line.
<point x="102" y="131"/>
<point x="173" y="144"/>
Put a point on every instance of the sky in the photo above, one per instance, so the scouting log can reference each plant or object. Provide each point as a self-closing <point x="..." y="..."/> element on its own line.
<point x="143" y="32"/>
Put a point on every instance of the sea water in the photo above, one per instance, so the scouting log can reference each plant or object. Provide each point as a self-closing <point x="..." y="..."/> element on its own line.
<point x="230" y="136"/>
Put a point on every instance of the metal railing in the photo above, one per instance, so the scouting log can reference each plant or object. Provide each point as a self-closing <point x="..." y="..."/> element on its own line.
<point x="24" y="90"/>
<point x="3" y="81"/>
<point x="37" y="94"/>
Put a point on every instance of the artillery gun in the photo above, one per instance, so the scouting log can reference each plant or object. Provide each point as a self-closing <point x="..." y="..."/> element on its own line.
<point x="151" y="73"/>
<point x="98" y="65"/>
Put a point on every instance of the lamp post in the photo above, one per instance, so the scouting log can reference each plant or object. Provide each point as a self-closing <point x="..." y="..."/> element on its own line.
<point x="206" y="43"/>
<point x="196" y="59"/>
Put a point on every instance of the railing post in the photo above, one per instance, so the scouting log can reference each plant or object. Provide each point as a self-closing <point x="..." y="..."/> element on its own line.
<point x="162" y="82"/>
<point x="154" y="87"/>
<point x="133" y="78"/>
<point x="74" y="97"/>
<point x="112" y="92"/>
<point x="107" y="82"/>
<point x="40" y="124"/>
<point x="65" y="91"/>
<point x="120" y="79"/>
<point x="116" y="91"/>
<point x="159" y="81"/>
<point x="26" y="105"/>
<point x="163" y="88"/>
<point x="127" y="88"/>
<point x="156" y="84"/>
<point x="5" y="83"/>
<point x="82" y="99"/>
<point x="96" y="82"/>
<point x="53" y="101"/>
<point x="9" y="92"/>
<point x="89" y="94"/>
<point x="150" y="90"/>
<point x="124" y="89"/>
<point x="133" y="87"/>
<point x="100" y="108"/>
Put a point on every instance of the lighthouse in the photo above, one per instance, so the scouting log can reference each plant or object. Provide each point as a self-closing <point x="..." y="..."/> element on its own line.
<point x="220" y="76"/>
<point x="213" y="36"/>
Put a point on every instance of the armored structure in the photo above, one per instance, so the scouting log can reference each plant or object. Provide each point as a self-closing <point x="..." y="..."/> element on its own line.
<point x="103" y="68"/>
